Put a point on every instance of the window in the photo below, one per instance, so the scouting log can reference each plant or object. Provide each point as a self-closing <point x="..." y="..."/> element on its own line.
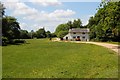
<point x="83" y="37"/>
<point x="74" y="37"/>
<point x="83" y="32"/>
<point x="78" y="36"/>
<point x="66" y="38"/>
<point x="74" y="32"/>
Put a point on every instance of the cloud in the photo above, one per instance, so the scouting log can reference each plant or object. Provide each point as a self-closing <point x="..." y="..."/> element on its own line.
<point x="38" y="2"/>
<point x="20" y="8"/>
<point x="49" y="20"/>
<point x="46" y="2"/>
<point x="62" y="13"/>
<point x="4" y="1"/>
<point x="57" y="16"/>
<point x="31" y="18"/>
<point x="56" y="0"/>
<point x="23" y="26"/>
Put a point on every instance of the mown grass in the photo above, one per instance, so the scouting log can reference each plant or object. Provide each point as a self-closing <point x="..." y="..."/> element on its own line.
<point x="41" y="58"/>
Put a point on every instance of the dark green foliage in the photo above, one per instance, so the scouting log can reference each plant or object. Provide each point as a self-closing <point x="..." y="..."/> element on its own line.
<point x="105" y="25"/>
<point x="41" y="33"/>
<point x="10" y="28"/>
<point x="4" y="41"/>
<point x="19" y="41"/>
<point x="48" y="34"/>
<point x="61" y="27"/>
<point x="77" y="24"/>
<point x="24" y="34"/>
<point x="53" y="35"/>
<point x="61" y="34"/>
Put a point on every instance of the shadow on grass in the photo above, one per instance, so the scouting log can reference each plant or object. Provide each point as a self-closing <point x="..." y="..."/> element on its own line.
<point x="15" y="44"/>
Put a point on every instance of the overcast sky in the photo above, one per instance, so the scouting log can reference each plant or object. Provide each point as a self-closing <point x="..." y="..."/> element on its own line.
<point x="35" y="14"/>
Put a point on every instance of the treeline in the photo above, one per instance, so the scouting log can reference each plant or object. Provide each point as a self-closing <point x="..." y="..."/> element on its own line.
<point x="63" y="29"/>
<point x="105" y="24"/>
<point x="40" y="33"/>
<point x="13" y="34"/>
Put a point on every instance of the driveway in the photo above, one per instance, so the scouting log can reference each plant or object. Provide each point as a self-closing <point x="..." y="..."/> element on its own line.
<point x="113" y="47"/>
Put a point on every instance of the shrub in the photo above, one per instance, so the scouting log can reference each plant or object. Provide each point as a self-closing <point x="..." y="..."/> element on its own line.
<point x="19" y="41"/>
<point x="4" y="41"/>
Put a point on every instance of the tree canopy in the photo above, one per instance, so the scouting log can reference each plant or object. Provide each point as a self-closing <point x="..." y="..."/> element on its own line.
<point x="105" y="25"/>
<point x="41" y="33"/>
<point x="10" y="28"/>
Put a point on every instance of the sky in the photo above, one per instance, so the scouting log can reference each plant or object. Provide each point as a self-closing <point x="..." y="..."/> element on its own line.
<point x="36" y="14"/>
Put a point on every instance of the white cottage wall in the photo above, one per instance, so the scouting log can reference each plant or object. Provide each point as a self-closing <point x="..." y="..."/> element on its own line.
<point x="83" y="37"/>
<point x="77" y="33"/>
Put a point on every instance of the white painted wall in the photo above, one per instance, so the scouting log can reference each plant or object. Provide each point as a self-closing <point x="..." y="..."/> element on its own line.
<point x="71" y="35"/>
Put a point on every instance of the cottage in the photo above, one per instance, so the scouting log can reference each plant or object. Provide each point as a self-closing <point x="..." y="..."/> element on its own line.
<point x="78" y="34"/>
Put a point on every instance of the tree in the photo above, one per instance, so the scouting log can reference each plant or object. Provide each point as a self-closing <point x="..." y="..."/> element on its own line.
<point x="61" y="34"/>
<point x="24" y="34"/>
<point x="61" y="27"/>
<point x="104" y="26"/>
<point x="34" y="34"/>
<point x="41" y="33"/>
<point x="10" y="28"/>
<point x="48" y="34"/>
<point x="53" y="35"/>
<point x="69" y="23"/>
<point x="77" y="24"/>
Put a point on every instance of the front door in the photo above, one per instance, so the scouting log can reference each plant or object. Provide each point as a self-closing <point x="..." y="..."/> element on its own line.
<point x="78" y="38"/>
<point x="66" y="38"/>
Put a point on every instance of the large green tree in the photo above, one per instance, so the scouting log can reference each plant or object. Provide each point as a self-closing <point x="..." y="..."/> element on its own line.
<point x="10" y="28"/>
<point x="24" y="34"/>
<point x="61" y="27"/>
<point x="41" y="33"/>
<point x="105" y="25"/>
<point x="48" y="34"/>
<point x="77" y="24"/>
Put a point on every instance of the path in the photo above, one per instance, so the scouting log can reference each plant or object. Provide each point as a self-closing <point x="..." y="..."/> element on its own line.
<point x="113" y="47"/>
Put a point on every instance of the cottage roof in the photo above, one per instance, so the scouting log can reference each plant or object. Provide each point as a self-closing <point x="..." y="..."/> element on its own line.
<point x="79" y="30"/>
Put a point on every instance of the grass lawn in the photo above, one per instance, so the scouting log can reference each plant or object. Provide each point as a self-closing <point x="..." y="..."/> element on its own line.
<point x="41" y="58"/>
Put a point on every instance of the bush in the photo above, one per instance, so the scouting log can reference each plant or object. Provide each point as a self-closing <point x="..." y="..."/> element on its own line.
<point x="19" y="41"/>
<point x="4" y="41"/>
